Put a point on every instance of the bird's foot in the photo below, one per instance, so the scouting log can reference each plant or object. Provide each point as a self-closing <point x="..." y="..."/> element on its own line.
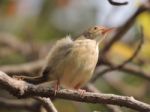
<point x="17" y="77"/>
<point x="81" y="92"/>
<point x="56" y="87"/>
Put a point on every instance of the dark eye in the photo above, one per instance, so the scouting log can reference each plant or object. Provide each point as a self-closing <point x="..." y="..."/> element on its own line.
<point x="95" y="28"/>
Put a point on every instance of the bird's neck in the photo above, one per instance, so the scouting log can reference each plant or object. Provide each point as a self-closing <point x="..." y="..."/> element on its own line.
<point x="81" y="37"/>
<point x="85" y="35"/>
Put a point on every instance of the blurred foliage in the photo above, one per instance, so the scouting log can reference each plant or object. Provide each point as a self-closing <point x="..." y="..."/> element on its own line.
<point x="144" y="21"/>
<point x="12" y="59"/>
<point x="66" y="107"/>
<point x="120" y="51"/>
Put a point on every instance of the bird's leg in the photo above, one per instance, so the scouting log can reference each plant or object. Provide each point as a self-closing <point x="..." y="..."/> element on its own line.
<point x="81" y="91"/>
<point x="56" y="86"/>
<point x="18" y="77"/>
<point x="33" y="80"/>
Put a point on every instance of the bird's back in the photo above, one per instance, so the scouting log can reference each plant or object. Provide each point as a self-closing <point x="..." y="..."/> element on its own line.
<point x="56" y="56"/>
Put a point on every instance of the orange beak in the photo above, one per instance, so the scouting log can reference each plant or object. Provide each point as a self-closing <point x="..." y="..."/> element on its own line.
<point x="107" y="30"/>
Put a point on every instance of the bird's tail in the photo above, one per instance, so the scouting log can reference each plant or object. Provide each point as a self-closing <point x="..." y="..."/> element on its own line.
<point x="32" y="80"/>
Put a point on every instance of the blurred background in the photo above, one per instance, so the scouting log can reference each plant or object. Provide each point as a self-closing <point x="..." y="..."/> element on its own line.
<point x="39" y="23"/>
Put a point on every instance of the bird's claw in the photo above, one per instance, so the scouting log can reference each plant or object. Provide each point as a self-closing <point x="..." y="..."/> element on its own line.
<point x="81" y="92"/>
<point x="56" y="87"/>
<point x="17" y="77"/>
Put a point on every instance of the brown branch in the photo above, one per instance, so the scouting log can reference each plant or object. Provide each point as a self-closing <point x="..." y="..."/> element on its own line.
<point x="22" y="89"/>
<point x="100" y="73"/>
<point x="32" y="106"/>
<point x="23" y="69"/>
<point x="135" y="71"/>
<point x="132" y="69"/>
<point x="14" y="43"/>
<point x="17" y="104"/>
<point x="47" y="103"/>
<point x="117" y="3"/>
<point x="24" y="48"/>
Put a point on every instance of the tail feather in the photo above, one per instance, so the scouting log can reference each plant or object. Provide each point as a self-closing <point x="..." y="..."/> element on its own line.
<point x="32" y="80"/>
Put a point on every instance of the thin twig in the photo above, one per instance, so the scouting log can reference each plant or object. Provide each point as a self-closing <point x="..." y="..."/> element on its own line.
<point x="23" y="69"/>
<point x="47" y="103"/>
<point x="137" y="50"/>
<point x="117" y="3"/>
<point x="22" y="89"/>
<point x="132" y="69"/>
<point x="19" y="46"/>
<point x="99" y="74"/>
<point x="14" y="43"/>
<point x="18" y="104"/>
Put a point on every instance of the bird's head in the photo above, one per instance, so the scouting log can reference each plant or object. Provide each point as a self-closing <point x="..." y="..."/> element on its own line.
<point x="97" y="33"/>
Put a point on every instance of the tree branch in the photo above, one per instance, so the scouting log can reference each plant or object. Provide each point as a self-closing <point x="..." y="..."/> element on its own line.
<point x="23" y="69"/>
<point x="22" y="89"/>
<point x="13" y="42"/>
<point x="31" y="52"/>
<point x="47" y="103"/>
<point x="17" y="104"/>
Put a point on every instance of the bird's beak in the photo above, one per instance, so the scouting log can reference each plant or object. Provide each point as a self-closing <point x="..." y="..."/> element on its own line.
<point x="107" y="30"/>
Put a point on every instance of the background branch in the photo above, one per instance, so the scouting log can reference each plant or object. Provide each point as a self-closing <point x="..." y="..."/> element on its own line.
<point x="29" y="68"/>
<point x="19" y="104"/>
<point x="15" y="44"/>
<point x="117" y="3"/>
<point x="47" y="103"/>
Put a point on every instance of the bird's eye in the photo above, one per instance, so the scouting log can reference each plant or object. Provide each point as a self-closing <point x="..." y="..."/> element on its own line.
<point x="95" y="28"/>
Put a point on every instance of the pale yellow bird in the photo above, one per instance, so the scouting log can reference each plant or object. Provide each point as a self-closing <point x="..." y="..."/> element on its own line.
<point x="71" y="63"/>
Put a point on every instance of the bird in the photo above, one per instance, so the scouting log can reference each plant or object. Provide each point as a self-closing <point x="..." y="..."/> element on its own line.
<point x="71" y="63"/>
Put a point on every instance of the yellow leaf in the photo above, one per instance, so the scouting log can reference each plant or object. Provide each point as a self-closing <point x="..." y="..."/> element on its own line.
<point x="120" y="51"/>
<point x="144" y="20"/>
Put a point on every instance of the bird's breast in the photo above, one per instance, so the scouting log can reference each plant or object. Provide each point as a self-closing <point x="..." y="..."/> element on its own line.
<point x="80" y="62"/>
<point x="85" y="52"/>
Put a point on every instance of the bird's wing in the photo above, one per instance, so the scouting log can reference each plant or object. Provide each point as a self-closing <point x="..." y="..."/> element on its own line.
<point x="57" y="54"/>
